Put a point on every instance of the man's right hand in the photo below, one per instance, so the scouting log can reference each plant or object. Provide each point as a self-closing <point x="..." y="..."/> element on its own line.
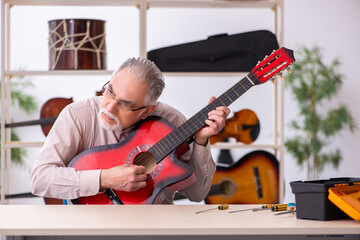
<point x="125" y="177"/>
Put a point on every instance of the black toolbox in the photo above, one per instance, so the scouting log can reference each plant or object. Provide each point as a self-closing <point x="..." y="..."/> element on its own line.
<point x="312" y="201"/>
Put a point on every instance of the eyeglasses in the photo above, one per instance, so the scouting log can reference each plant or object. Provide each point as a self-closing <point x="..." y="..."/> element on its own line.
<point x="107" y="90"/>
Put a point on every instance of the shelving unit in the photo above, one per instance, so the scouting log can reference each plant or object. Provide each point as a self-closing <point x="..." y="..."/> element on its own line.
<point x="143" y="6"/>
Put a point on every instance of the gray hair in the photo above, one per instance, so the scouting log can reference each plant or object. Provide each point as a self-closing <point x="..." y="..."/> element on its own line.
<point x="145" y="71"/>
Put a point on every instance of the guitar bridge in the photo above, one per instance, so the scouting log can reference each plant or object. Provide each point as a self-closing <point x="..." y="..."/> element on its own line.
<point x="258" y="182"/>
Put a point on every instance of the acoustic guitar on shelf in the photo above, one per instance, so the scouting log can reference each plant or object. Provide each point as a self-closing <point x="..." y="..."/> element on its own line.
<point x="153" y="142"/>
<point x="244" y="126"/>
<point x="251" y="180"/>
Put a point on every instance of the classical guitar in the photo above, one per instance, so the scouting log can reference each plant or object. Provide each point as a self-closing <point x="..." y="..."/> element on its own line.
<point x="153" y="141"/>
<point x="244" y="126"/>
<point x="251" y="180"/>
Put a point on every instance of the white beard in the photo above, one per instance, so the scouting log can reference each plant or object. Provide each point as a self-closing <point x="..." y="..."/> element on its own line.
<point x="110" y="127"/>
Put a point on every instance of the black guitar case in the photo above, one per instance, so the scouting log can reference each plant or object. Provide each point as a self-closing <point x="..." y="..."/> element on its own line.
<point x="219" y="53"/>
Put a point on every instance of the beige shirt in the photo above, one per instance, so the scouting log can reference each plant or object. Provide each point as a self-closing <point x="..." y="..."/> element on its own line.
<point x="77" y="129"/>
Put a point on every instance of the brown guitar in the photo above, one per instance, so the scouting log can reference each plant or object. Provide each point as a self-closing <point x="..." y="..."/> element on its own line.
<point x="244" y="126"/>
<point x="251" y="180"/>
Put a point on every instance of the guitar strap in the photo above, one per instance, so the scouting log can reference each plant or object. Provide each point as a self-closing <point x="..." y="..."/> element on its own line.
<point x="114" y="198"/>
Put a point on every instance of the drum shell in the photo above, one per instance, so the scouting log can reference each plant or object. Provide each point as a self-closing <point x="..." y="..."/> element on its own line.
<point x="67" y="54"/>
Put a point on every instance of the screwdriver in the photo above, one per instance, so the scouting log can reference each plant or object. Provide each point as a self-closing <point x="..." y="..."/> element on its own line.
<point x="291" y="207"/>
<point x="283" y="207"/>
<point x="289" y="211"/>
<point x="253" y="209"/>
<point x="279" y="207"/>
<point x="220" y="207"/>
<point x="272" y="206"/>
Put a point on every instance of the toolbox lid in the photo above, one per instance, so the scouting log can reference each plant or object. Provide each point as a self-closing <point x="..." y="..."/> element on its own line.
<point x="347" y="198"/>
<point x="321" y="185"/>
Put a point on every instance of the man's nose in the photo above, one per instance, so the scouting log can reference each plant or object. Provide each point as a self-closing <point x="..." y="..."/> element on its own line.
<point x="112" y="105"/>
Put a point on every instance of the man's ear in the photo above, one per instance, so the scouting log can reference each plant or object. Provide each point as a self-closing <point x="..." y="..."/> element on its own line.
<point x="148" y="111"/>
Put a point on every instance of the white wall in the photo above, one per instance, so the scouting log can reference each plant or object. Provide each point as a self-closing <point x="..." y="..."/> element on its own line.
<point x="331" y="24"/>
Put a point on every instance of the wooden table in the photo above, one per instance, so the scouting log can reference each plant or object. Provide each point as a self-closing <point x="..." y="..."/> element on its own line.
<point x="160" y="220"/>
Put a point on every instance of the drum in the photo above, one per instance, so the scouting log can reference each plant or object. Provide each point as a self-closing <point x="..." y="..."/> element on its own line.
<point x="77" y="44"/>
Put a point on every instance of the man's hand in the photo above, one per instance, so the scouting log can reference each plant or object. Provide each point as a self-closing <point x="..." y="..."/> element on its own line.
<point x="215" y="123"/>
<point x="123" y="178"/>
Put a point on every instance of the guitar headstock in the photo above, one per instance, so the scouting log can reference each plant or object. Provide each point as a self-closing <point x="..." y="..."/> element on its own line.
<point x="272" y="65"/>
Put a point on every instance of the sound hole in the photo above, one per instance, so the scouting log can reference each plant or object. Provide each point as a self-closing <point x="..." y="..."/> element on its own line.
<point x="227" y="187"/>
<point x="147" y="160"/>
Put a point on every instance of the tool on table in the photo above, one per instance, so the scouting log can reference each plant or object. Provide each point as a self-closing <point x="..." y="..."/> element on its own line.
<point x="269" y="207"/>
<point x="272" y="207"/>
<point x="291" y="207"/>
<point x="248" y="209"/>
<point x="279" y="207"/>
<point x="220" y="207"/>
<point x="275" y="207"/>
<point x="281" y="213"/>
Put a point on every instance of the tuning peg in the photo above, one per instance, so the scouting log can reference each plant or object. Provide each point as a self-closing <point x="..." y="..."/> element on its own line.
<point x="258" y="63"/>
<point x="265" y="57"/>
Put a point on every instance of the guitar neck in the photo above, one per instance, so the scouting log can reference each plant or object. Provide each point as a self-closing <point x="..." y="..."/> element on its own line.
<point x="174" y="139"/>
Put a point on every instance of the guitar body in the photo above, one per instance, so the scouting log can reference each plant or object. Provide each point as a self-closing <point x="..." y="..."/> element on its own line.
<point x="169" y="175"/>
<point x="251" y="180"/>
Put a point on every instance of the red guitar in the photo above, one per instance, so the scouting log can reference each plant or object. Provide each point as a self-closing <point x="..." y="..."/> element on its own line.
<point x="153" y="141"/>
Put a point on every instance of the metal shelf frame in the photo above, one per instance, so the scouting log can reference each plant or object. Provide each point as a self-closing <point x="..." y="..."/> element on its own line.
<point x="143" y="6"/>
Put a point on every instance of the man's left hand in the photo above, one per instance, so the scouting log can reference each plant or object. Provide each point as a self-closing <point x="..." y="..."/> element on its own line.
<point x="214" y="124"/>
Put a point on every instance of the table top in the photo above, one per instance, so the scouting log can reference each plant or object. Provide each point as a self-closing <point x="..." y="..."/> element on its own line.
<point x="159" y="220"/>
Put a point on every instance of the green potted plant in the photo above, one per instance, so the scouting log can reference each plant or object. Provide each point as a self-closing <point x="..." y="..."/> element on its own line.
<point x="23" y="102"/>
<point x="313" y="84"/>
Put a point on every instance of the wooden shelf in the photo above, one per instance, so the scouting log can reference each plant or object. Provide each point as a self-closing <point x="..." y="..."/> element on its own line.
<point x="109" y="72"/>
<point x="153" y="3"/>
<point x="57" y="73"/>
<point x="22" y="144"/>
<point x="226" y="145"/>
<point x="73" y="2"/>
<point x="213" y="4"/>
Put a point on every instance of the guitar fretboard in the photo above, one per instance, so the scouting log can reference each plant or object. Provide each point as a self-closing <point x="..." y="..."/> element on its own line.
<point x="178" y="136"/>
